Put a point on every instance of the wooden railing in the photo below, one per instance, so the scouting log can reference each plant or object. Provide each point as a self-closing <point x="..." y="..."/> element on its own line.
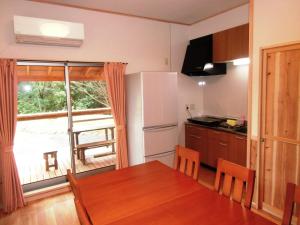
<point x="51" y="115"/>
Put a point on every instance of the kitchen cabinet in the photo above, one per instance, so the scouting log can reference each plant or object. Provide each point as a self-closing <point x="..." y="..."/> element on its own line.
<point x="217" y="146"/>
<point x="213" y="144"/>
<point x="231" y="44"/>
<point x="238" y="149"/>
<point x="195" y="138"/>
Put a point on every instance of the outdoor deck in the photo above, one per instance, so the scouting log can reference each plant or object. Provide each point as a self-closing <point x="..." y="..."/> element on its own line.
<point x="34" y="137"/>
<point x="35" y="170"/>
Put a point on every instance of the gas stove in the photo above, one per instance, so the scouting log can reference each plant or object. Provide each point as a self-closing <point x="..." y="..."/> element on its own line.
<point x="207" y="120"/>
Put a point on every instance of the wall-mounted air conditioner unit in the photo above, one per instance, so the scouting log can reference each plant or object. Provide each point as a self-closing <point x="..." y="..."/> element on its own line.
<point x="31" y="30"/>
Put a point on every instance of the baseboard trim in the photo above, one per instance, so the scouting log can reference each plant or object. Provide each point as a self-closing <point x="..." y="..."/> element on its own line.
<point x="47" y="192"/>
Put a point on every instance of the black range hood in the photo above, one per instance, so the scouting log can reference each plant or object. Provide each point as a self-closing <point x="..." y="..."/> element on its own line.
<point x="198" y="59"/>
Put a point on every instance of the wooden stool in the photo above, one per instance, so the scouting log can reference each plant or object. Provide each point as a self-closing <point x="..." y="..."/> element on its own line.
<point x="52" y="154"/>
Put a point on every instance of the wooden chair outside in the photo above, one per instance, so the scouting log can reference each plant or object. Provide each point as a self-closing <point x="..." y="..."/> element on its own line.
<point x="292" y="197"/>
<point x="187" y="161"/>
<point x="238" y="175"/>
<point x="81" y="213"/>
<point x="73" y="184"/>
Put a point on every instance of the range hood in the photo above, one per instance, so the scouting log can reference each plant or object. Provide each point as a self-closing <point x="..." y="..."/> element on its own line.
<point x="198" y="59"/>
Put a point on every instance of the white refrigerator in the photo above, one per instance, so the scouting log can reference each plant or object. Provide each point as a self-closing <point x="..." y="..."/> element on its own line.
<point x="151" y="114"/>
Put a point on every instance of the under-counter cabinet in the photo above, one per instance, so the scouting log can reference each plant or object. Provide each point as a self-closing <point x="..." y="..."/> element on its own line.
<point x="238" y="149"/>
<point x="218" y="143"/>
<point x="213" y="144"/>
<point x="195" y="138"/>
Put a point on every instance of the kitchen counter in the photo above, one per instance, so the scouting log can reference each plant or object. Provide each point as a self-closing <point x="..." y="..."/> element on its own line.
<point x="216" y="142"/>
<point x="229" y="130"/>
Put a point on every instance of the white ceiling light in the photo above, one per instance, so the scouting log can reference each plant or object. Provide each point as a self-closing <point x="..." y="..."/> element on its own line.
<point x="54" y="30"/>
<point x="241" y="61"/>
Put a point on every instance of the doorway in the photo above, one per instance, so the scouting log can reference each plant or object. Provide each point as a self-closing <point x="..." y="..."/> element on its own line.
<point x="62" y="106"/>
<point x="280" y="125"/>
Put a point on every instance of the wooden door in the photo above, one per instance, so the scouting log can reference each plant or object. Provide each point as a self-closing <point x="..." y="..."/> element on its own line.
<point x="280" y="124"/>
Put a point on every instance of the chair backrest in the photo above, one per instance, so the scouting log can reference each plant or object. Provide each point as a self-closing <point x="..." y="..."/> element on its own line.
<point x="229" y="173"/>
<point x="81" y="213"/>
<point x="187" y="161"/>
<point x="73" y="183"/>
<point x="292" y="197"/>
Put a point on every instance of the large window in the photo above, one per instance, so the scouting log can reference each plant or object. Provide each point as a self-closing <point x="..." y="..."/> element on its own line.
<point x="46" y="125"/>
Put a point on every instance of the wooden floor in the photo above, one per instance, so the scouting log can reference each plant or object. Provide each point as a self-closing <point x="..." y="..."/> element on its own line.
<point x="58" y="210"/>
<point x="207" y="176"/>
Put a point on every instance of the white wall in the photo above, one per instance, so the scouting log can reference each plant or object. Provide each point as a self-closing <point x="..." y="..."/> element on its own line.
<point x="144" y="44"/>
<point x="226" y="20"/>
<point x="275" y="22"/>
<point x="224" y="95"/>
<point x="188" y="90"/>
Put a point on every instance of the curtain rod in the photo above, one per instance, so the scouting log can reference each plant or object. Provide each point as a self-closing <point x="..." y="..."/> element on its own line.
<point x="57" y="63"/>
<point x="22" y="62"/>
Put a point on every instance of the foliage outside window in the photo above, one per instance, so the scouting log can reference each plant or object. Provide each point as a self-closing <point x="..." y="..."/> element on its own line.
<point x="50" y="96"/>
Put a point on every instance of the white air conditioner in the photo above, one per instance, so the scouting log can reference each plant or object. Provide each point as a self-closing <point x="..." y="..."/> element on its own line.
<point x="31" y="30"/>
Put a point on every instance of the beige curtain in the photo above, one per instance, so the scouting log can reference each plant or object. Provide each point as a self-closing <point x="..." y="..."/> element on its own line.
<point x="114" y="75"/>
<point x="12" y="194"/>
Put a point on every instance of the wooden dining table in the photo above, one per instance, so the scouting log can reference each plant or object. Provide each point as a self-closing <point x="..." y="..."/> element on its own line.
<point x="154" y="194"/>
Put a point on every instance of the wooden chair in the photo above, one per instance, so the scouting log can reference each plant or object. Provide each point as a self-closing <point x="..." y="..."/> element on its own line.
<point x="187" y="161"/>
<point x="230" y="172"/>
<point x="81" y="213"/>
<point x="73" y="184"/>
<point x="292" y="197"/>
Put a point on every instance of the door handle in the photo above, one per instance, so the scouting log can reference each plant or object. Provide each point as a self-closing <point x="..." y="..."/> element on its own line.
<point x="223" y="144"/>
<point x="194" y="136"/>
<point x="240" y="138"/>
<point x="159" y="127"/>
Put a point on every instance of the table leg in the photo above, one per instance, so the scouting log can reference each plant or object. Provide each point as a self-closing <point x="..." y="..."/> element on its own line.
<point x="112" y="137"/>
<point x="76" y="142"/>
<point x="106" y="135"/>
<point x="83" y="156"/>
<point x="47" y="163"/>
<point x="55" y="161"/>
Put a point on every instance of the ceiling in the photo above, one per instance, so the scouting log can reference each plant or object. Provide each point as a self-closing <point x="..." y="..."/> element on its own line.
<point x="176" y="11"/>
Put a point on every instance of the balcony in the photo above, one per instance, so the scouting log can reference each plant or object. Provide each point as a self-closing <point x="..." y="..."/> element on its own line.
<point x="44" y="132"/>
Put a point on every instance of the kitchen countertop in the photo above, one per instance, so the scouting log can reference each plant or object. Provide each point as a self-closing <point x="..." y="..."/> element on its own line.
<point x="229" y="130"/>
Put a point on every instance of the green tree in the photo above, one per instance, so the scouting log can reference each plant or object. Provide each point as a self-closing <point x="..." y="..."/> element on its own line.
<point x="50" y="96"/>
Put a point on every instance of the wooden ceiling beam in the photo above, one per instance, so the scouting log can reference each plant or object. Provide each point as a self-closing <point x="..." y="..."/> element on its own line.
<point x="49" y="71"/>
<point x="27" y="70"/>
<point x="87" y="71"/>
<point x="45" y="73"/>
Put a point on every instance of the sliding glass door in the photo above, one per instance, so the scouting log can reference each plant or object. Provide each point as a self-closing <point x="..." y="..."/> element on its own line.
<point x="64" y="121"/>
<point x="92" y="132"/>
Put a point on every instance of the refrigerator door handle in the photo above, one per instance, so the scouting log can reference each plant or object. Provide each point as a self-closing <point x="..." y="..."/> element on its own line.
<point x="158" y="127"/>
<point x="161" y="154"/>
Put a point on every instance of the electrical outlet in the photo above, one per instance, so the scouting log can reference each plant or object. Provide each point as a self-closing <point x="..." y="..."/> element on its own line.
<point x="192" y="106"/>
<point x="166" y="61"/>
